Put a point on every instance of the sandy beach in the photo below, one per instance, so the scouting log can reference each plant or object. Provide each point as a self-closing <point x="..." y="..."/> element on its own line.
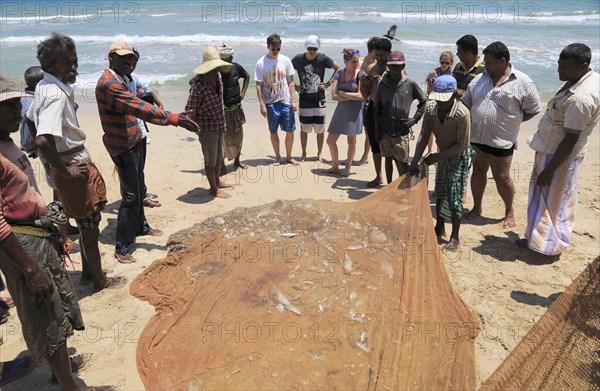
<point x="508" y="288"/>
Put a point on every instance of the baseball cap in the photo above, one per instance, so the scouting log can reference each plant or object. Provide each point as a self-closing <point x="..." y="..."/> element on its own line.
<point x="122" y="49"/>
<point x="8" y="88"/>
<point x="312" y="41"/>
<point x="396" y="58"/>
<point x="443" y="88"/>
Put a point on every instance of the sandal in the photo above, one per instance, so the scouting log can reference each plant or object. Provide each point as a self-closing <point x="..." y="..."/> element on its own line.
<point x="16" y="369"/>
<point x="8" y="301"/>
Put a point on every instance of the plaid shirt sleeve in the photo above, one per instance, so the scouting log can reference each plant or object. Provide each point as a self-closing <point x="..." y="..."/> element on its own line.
<point x="122" y="100"/>
<point x="207" y="106"/>
<point x="194" y="102"/>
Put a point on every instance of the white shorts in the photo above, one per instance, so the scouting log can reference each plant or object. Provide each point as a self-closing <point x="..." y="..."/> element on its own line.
<point x="312" y="120"/>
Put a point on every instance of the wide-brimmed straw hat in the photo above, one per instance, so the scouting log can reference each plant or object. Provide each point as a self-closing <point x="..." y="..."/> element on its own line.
<point x="211" y="60"/>
<point x="8" y="88"/>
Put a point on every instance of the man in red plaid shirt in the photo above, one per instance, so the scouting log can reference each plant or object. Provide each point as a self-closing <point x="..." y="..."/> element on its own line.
<point x="206" y="105"/>
<point x="119" y="110"/>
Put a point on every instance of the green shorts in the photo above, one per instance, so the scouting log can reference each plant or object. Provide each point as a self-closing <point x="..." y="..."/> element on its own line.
<point x="47" y="327"/>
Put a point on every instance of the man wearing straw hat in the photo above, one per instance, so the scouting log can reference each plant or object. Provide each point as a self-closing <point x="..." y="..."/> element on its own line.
<point x="234" y="113"/>
<point x="205" y="102"/>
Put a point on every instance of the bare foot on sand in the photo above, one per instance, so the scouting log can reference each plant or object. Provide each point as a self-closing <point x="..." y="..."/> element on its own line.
<point x="241" y="165"/>
<point x="440" y="232"/>
<point x="452" y="245"/>
<point x="509" y="220"/>
<point x="472" y="214"/>
<point x="362" y="162"/>
<point x="346" y="173"/>
<point x="331" y="170"/>
<point x="224" y="185"/>
<point x="277" y="161"/>
<point x="111" y="283"/>
<point x="320" y="158"/>
<point x="220" y="194"/>
<point x="292" y="161"/>
<point x="302" y="158"/>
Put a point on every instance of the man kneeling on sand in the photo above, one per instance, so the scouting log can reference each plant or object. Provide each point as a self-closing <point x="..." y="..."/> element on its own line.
<point x="206" y="105"/>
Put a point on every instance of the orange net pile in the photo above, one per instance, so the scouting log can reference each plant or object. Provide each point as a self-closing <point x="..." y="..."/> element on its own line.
<point x="308" y="295"/>
<point x="562" y="350"/>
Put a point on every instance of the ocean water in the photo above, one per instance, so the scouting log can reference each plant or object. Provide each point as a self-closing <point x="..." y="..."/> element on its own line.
<point x="171" y="35"/>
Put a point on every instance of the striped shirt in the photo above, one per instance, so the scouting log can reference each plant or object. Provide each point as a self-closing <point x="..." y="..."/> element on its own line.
<point x="206" y="103"/>
<point x="452" y="135"/>
<point x="497" y="111"/>
<point x="119" y="110"/>
<point x="464" y="76"/>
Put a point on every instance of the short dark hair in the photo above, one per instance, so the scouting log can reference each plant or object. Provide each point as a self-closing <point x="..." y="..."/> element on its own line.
<point x="383" y="44"/>
<point x="33" y="75"/>
<point x="371" y="43"/>
<point x="497" y="50"/>
<point x="579" y="52"/>
<point x="46" y="48"/>
<point x="468" y="43"/>
<point x="273" y="40"/>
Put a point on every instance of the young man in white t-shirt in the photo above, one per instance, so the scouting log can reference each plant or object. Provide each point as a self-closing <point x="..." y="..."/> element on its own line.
<point x="274" y="76"/>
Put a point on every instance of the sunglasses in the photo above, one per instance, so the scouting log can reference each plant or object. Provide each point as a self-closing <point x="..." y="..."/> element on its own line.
<point x="275" y="49"/>
<point x="444" y="63"/>
<point x="312" y="49"/>
<point x="352" y="53"/>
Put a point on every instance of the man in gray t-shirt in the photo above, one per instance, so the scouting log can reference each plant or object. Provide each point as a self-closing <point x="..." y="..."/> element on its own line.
<point x="310" y="67"/>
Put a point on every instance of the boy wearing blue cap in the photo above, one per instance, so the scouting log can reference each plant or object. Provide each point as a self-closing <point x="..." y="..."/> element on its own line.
<point x="449" y="120"/>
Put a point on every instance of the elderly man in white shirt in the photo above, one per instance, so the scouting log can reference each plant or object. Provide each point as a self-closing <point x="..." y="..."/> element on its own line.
<point x="78" y="182"/>
<point x="560" y="144"/>
<point x="499" y="99"/>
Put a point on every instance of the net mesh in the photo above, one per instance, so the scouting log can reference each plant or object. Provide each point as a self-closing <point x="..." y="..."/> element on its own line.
<point x="308" y="294"/>
<point x="562" y="350"/>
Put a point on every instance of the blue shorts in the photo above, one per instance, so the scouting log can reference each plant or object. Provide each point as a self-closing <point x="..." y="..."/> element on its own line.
<point x="280" y="114"/>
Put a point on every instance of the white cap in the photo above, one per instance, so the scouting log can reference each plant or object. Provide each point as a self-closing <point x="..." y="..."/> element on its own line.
<point x="312" y="41"/>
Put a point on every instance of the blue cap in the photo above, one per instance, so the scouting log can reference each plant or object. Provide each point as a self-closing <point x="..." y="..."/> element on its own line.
<point x="443" y="88"/>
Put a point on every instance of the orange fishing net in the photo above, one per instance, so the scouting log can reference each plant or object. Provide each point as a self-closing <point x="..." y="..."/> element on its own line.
<point x="562" y="350"/>
<point x="308" y="295"/>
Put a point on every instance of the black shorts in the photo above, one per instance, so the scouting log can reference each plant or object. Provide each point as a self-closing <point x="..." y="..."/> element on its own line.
<point x="369" y="123"/>
<point x="495" y="151"/>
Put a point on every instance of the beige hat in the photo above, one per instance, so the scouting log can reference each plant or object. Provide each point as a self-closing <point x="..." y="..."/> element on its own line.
<point x="8" y="88"/>
<point x="211" y="60"/>
<point x="122" y="49"/>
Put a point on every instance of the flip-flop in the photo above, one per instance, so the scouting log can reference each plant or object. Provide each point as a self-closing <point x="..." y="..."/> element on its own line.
<point x="374" y="183"/>
<point x="8" y="301"/>
<point x="520" y="243"/>
<point x="16" y="369"/>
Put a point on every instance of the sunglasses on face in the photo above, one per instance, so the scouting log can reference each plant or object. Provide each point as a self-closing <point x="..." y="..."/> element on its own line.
<point x="444" y="63"/>
<point x="312" y="49"/>
<point x="275" y="49"/>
